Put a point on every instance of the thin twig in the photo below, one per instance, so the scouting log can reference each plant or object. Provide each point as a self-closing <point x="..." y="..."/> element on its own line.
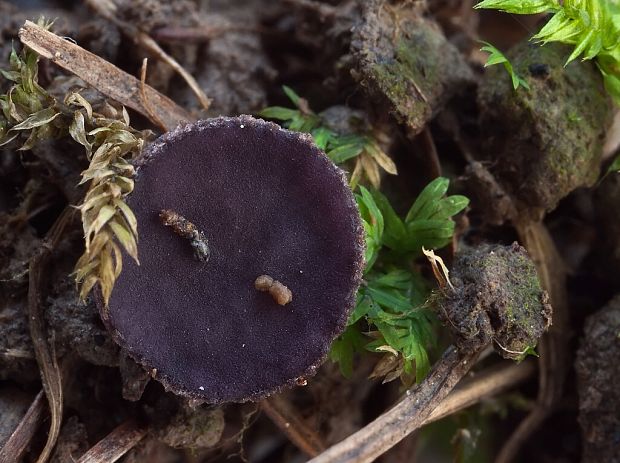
<point x="48" y="366"/>
<point x="431" y="151"/>
<point x="145" y="99"/>
<point x="15" y="446"/>
<point x="323" y="9"/>
<point x="107" y="10"/>
<point x="102" y="75"/>
<point x="116" y="444"/>
<point x="201" y="34"/>
<point x="405" y="417"/>
<point x="292" y="425"/>
<point x="486" y="384"/>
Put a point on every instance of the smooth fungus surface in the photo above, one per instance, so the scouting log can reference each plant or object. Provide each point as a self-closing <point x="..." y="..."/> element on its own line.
<point x="268" y="202"/>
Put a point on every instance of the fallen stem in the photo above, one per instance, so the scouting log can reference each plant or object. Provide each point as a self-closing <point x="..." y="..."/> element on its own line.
<point x="103" y="76"/>
<point x="116" y="444"/>
<point x="17" y="442"/>
<point x="405" y="417"/>
<point x="107" y="10"/>
<point x="48" y="366"/>
<point x="486" y="384"/>
<point x="292" y="425"/>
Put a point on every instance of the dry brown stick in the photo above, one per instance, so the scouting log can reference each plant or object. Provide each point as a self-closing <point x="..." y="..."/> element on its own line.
<point x="102" y="75"/>
<point x="431" y="150"/>
<point x="553" y="346"/>
<point x="116" y="444"/>
<point x="486" y="384"/>
<point x="292" y="425"/>
<point x="108" y="10"/>
<point x="200" y="34"/>
<point x="48" y="366"/>
<point x="405" y="417"/>
<point x="15" y="446"/>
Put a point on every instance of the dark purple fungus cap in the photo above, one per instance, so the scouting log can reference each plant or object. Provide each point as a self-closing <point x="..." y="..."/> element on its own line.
<point x="269" y="202"/>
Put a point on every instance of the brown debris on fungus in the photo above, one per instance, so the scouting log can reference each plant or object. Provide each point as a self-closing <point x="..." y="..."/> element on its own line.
<point x="245" y="184"/>
<point x="280" y="293"/>
<point x="185" y="229"/>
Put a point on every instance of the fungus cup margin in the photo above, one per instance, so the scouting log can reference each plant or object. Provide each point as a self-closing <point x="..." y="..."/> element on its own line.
<point x="157" y="148"/>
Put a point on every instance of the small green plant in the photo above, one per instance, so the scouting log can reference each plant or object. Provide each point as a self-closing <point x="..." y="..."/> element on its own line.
<point x="391" y="304"/>
<point x="497" y="57"/>
<point x="340" y="148"/>
<point x="30" y="114"/>
<point x="591" y="26"/>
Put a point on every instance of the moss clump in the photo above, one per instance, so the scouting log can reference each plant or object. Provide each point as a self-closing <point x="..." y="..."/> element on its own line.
<point x="547" y="141"/>
<point x="406" y="61"/>
<point x="497" y="298"/>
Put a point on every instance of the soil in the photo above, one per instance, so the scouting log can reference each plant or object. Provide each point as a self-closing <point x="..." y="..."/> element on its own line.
<point x="410" y="71"/>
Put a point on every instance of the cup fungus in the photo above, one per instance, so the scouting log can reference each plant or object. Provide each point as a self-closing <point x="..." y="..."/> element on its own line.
<point x="220" y="203"/>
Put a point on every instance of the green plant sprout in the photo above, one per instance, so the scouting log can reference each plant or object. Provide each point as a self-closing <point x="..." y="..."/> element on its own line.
<point x="591" y="26"/>
<point x="369" y="157"/>
<point x="30" y="114"/>
<point x="391" y="304"/>
<point x="497" y="57"/>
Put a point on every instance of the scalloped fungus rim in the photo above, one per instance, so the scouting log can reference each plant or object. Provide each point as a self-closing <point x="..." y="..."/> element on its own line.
<point x="269" y="202"/>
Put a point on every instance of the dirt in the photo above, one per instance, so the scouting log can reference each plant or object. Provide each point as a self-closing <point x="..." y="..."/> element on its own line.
<point x="510" y="309"/>
<point x="406" y="62"/>
<point x="409" y="72"/>
<point x="548" y="141"/>
<point x="598" y="373"/>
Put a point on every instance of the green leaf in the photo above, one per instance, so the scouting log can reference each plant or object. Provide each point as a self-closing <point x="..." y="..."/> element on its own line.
<point x="322" y="137"/>
<point x="449" y="207"/>
<point x="344" y="152"/>
<point x="344" y="348"/>
<point x="279" y="113"/>
<point x="612" y="85"/>
<point x="426" y="201"/>
<point x="520" y="6"/>
<point x="497" y="57"/>
<point x="290" y="93"/>
<point x="394" y="228"/>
